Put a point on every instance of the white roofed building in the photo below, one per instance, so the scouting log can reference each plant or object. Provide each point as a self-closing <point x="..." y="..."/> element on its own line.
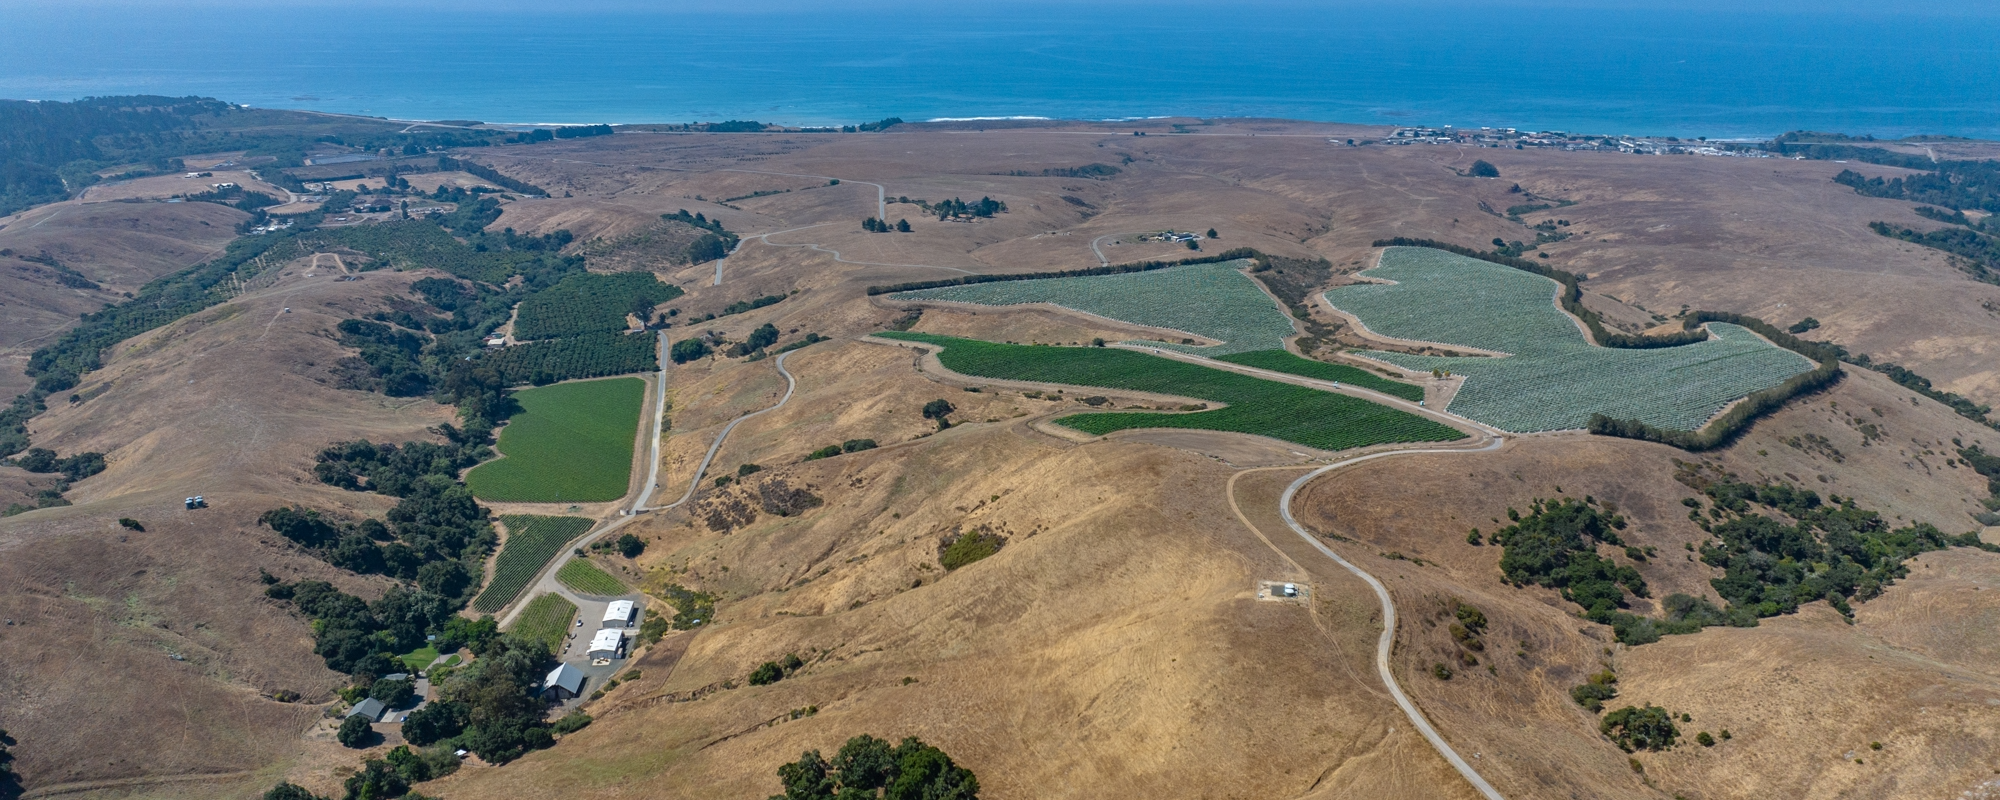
<point x="618" y="614"/>
<point x="608" y="643"/>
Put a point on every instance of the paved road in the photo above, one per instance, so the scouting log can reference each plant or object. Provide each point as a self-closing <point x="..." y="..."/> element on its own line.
<point x="1387" y="642"/>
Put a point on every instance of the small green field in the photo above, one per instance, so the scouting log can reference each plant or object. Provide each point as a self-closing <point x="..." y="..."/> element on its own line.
<point x="571" y="443"/>
<point x="531" y="542"/>
<point x="419" y="658"/>
<point x="582" y="576"/>
<point x="546" y="618"/>
<point x="1314" y="418"/>
<point x="1287" y="362"/>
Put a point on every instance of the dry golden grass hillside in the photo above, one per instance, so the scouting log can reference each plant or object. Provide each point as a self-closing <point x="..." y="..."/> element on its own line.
<point x="1115" y="645"/>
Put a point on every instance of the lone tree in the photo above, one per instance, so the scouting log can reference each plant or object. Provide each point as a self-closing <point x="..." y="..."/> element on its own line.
<point x="902" y="226"/>
<point x="631" y="546"/>
<point x="687" y="350"/>
<point x="1213" y="235"/>
<point x="355" y="733"/>
<point x="939" y="410"/>
<point x="1482" y="169"/>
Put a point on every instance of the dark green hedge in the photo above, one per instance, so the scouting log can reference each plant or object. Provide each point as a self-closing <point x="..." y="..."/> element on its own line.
<point x="1114" y="269"/>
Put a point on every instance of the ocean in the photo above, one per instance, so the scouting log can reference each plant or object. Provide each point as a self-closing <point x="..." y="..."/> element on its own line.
<point x="1686" y="71"/>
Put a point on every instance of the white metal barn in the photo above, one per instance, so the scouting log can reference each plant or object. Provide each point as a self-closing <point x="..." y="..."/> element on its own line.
<point x="608" y="643"/>
<point x="618" y="614"/>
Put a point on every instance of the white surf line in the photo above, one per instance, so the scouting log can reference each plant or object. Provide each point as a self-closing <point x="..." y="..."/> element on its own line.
<point x="1386" y="644"/>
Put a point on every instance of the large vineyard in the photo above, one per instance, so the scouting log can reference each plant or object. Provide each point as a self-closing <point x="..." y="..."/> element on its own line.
<point x="588" y="303"/>
<point x="1284" y="361"/>
<point x="1553" y="378"/>
<point x="1310" y="417"/>
<point x="571" y="443"/>
<point x="593" y="355"/>
<point x="531" y="542"/>
<point x="1216" y="301"/>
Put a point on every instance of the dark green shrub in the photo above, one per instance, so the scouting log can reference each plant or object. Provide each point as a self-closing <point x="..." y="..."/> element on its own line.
<point x="1482" y="169"/>
<point x="968" y="547"/>
<point x="1646" y="728"/>
<point x="766" y="674"/>
<point x="572" y="722"/>
<point x="687" y="350"/>
<point x="631" y="546"/>
<point x="131" y="524"/>
<point x="355" y="733"/>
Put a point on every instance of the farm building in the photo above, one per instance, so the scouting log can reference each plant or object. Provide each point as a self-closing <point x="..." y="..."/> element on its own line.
<point x="608" y="643"/>
<point x="370" y="709"/>
<point x="618" y="614"/>
<point x="564" y="682"/>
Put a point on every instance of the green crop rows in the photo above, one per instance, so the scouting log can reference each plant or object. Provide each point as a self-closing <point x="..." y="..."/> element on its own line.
<point x="583" y="576"/>
<point x="592" y="355"/>
<point x="531" y="542"/>
<point x="1217" y="301"/>
<point x="546" y="618"/>
<point x="1286" y="362"/>
<point x="571" y="443"/>
<point x="1553" y="378"/>
<point x="589" y="303"/>
<point x="1310" y="417"/>
<point x="413" y="244"/>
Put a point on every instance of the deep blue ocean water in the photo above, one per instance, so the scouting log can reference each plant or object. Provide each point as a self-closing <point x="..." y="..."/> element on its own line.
<point x="1687" y="71"/>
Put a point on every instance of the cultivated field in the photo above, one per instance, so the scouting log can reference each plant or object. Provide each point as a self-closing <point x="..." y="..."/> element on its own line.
<point x="1214" y="301"/>
<point x="1286" y="362"/>
<point x="546" y="618"/>
<point x="531" y="542"/>
<point x="581" y="575"/>
<point x="571" y="443"/>
<point x="1310" y="417"/>
<point x="589" y="303"/>
<point x="1552" y="378"/>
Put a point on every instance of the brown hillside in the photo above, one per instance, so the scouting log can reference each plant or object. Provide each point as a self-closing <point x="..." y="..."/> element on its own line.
<point x="231" y="404"/>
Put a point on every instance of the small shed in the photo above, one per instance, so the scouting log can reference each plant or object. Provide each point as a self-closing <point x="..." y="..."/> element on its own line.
<point x="370" y="709"/>
<point x="564" y="682"/>
<point x="618" y="614"/>
<point x="608" y="643"/>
